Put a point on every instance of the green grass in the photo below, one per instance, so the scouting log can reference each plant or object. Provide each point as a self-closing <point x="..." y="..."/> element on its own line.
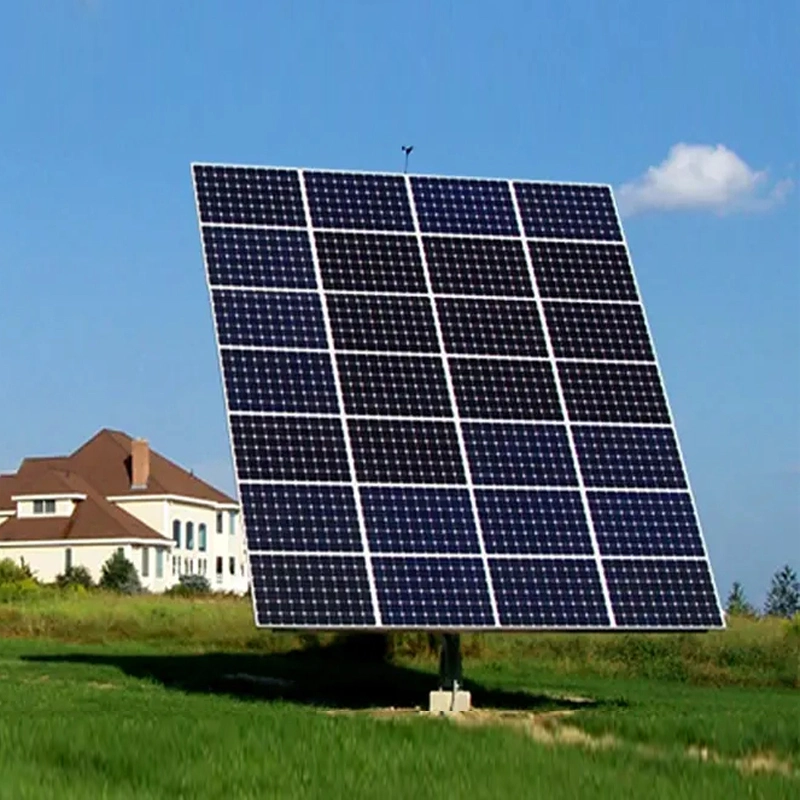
<point x="113" y="721"/>
<point x="750" y="653"/>
<point x="104" y="696"/>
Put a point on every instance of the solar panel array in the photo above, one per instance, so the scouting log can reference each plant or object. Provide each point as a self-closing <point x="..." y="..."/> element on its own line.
<point x="445" y="406"/>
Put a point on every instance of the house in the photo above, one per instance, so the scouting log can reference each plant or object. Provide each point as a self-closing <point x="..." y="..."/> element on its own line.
<point x="115" y="493"/>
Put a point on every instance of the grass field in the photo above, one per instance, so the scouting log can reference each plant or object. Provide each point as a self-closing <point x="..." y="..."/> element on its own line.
<point x="146" y="697"/>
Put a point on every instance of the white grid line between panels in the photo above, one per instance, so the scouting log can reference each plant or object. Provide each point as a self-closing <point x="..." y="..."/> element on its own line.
<point x="362" y="525"/>
<point x="565" y="412"/>
<point x="226" y="287"/>
<point x="467" y="420"/>
<point x="462" y="446"/>
<point x="462" y="487"/>
<point x="669" y="414"/>
<point x="472" y="556"/>
<point x="409" y="234"/>
<point x="408" y="354"/>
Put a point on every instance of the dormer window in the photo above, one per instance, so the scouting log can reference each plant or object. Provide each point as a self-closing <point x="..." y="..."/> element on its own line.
<point x="44" y="506"/>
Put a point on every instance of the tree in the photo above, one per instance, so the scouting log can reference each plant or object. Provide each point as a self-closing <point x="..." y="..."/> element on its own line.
<point x="737" y="604"/>
<point x="783" y="599"/>
<point x="119" y="575"/>
<point x="75" y="576"/>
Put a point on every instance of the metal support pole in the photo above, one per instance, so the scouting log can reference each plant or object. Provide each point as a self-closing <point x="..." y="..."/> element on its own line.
<point x="450" y="663"/>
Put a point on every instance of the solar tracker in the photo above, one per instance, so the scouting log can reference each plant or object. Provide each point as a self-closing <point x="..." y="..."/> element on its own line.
<point x="445" y="406"/>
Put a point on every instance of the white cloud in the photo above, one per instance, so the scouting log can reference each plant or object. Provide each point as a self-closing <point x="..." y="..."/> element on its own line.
<point x="701" y="176"/>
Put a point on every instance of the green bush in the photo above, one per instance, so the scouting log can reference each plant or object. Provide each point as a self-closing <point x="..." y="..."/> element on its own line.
<point x="11" y="572"/>
<point x="17" y="591"/>
<point x="73" y="577"/>
<point x="119" y="575"/>
<point x="190" y="586"/>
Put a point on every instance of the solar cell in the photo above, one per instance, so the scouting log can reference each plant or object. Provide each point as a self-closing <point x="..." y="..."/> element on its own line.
<point x="419" y="520"/>
<point x="384" y="323"/>
<point x="249" y="196"/>
<point x="491" y="327"/>
<point x="432" y="592"/>
<point x="285" y="319"/>
<point x="360" y="202"/>
<point x="659" y="593"/>
<point x="600" y="392"/>
<point x="549" y="593"/>
<point x="258" y="257"/>
<point x="504" y="454"/>
<point x="644" y="458"/>
<point x="274" y="380"/>
<point x="405" y="451"/>
<point x="404" y="386"/>
<point x="370" y="262"/>
<point x="456" y="205"/>
<point x="533" y="522"/>
<point x="581" y="271"/>
<point x="592" y="330"/>
<point x="311" y="591"/>
<point x="567" y="211"/>
<point x="651" y="524"/>
<point x="289" y="448"/>
<point x="416" y="446"/>
<point x="461" y="265"/>
<point x="301" y="517"/>
<point x="498" y="389"/>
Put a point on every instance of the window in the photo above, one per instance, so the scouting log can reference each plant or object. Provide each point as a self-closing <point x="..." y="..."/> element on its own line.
<point x="219" y="522"/>
<point x="179" y="566"/>
<point x="174" y="565"/>
<point x="219" y="566"/>
<point x="121" y="552"/>
<point x="201" y="537"/>
<point x="67" y="559"/>
<point x="232" y="523"/>
<point x="190" y="536"/>
<point x="160" y="562"/>
<point x="232" y="565"/>
<point x="44" y="506"/>
<point x="176" y="532"/>
<point x="145" y="562"/>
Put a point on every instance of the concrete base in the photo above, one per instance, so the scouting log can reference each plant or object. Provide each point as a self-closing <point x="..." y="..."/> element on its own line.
<point x="449" y="703"/>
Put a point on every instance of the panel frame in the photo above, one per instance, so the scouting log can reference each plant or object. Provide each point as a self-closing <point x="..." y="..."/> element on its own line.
<point x="330" y="351"/>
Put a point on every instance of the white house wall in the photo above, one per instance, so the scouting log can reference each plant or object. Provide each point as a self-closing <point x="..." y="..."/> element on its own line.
<point x="64" y="508"/>
<point x="49" y="561"/>
<point x="160" y="514"/>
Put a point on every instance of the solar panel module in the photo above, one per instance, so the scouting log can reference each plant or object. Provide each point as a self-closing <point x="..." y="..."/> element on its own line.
<point x="445" y="406"/>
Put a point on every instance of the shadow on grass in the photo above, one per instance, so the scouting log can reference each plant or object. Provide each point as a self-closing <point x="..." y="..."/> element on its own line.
<point x="334" y="676"/>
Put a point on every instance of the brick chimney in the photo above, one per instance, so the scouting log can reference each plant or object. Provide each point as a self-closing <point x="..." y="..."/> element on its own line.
<point x="140" y="464"/>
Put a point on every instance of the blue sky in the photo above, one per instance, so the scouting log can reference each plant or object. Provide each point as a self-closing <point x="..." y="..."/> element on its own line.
<point x="104" y="315"/>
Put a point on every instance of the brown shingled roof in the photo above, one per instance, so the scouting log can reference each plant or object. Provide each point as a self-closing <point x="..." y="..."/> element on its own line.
<point x="93" y="518"/>
<point x="99" y="469"/>
<point x="50" y="481"/>
<point x="8" y="485"/>
<point x="105" y="461"/>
